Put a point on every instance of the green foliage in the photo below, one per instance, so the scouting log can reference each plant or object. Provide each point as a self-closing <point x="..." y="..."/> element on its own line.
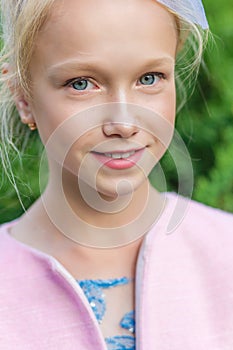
<point x="205" y="125"/>
<point x="206" y="122"/>
<point x="216" y="189"/>
<point x="212" y="146"/>
<point x="26" y="174"/>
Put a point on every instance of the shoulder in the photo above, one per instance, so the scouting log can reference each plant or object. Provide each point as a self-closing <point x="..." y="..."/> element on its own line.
<point x="186" y="223"/>
<point x="197" y="216"/>
<point x="8" y="246"/>
<point x="190" y="234"/>
<point x="189" y="227"/>
<point x="17" y="258"/>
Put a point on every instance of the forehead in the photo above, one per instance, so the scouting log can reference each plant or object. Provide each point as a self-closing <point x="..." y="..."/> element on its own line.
<point x="91" y="27"/>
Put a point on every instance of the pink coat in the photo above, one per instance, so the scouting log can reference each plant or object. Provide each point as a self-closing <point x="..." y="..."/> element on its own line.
<point x="184" y="291"/>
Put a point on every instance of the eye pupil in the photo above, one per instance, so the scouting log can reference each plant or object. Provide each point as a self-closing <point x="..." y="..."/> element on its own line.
<point x="80" y="84"/>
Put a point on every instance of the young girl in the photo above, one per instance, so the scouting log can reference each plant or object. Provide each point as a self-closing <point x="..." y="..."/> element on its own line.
<point x="90" y="265"/>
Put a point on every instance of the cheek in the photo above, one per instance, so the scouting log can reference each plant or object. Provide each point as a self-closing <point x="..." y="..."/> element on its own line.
<point x="164" y="109"/>
<point x="46" y="121"/>
<point x="167" y="106"/>
<point x="48" y="113"/>
<point x="163" y="103"/>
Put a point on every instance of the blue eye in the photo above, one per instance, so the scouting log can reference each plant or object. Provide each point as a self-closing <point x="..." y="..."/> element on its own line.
<point x="80" y="84"/>
<point x="150" y="78"/>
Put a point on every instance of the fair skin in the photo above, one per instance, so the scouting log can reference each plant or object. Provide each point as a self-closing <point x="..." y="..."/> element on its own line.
<point x="123" y="52"/>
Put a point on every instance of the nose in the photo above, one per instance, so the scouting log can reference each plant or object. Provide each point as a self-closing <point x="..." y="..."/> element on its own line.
<point x="119" y="129"/>
<point x="120" y="122"/>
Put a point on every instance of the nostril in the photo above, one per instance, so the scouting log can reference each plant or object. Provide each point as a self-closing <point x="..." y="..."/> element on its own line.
<point x="124" y="130"/>
<point x="107" y="129"/>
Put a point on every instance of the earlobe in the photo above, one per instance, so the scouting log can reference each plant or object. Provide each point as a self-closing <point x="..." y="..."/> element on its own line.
<point x="25" y="113"/>
<point x="24" y="110"/>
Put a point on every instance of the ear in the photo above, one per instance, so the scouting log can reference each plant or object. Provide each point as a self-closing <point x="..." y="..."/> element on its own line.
<point x="24" y="109"/>
<point x="19" y="97"/>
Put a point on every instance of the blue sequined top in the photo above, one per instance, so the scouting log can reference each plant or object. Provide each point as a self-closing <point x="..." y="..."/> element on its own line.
<point x="93" y="290"/>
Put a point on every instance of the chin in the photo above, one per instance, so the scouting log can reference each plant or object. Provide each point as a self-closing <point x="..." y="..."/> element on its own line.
<point x="114" y="188"/>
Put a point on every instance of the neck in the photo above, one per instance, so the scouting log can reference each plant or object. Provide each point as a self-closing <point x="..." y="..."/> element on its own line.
<point x="100" y="221"/>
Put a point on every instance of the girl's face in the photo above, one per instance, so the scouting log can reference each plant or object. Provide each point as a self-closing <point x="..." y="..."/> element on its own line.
<point x="114" y="55"/>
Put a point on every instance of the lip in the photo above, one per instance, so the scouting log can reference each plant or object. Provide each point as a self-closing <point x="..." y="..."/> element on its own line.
<point x="119" y="163"/>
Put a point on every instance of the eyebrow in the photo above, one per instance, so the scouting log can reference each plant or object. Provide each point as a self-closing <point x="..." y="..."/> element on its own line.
<point x="75" y="64"/>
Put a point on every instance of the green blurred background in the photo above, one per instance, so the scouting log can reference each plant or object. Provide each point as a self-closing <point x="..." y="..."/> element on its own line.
<point x="205" y="124"/>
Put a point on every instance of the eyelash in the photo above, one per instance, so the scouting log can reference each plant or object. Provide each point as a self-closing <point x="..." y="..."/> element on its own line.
<point x="159" y="75"/>
<point x="70" y="82"/>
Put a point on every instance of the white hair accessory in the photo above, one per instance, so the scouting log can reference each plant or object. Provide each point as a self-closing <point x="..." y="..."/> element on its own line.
<point x="191" y="10"/>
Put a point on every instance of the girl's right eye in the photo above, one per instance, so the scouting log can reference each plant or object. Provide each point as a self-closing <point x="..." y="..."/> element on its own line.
<point x="83" y="84"/>
<point x="80" y="84"/>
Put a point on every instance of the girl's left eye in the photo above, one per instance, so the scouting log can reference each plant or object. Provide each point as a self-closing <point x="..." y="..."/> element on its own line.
<point x="151" y="78"/>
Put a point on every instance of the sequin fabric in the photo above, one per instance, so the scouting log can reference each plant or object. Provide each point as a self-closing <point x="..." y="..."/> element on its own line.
<point x="94" y="292"/>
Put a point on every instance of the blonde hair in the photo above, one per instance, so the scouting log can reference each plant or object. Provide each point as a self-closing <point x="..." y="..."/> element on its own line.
<point x="192" y="42"/>
<point x="21" y="22"/>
